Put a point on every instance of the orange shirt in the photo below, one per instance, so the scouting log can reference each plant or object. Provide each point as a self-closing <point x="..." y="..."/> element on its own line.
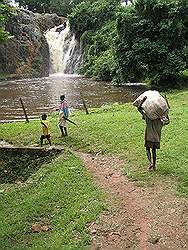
<point x="45" y="128"/>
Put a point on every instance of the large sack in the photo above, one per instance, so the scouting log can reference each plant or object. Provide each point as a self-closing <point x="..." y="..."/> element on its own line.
<point x="155" y="106"/>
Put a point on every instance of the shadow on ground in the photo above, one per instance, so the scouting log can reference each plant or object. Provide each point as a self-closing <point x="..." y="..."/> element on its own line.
<point x="17" y="164"/>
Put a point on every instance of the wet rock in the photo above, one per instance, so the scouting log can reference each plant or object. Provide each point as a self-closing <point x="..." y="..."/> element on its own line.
<point x="48" y="21"/>
<point x="27" y="53"/>
<point x="62" y="27"/>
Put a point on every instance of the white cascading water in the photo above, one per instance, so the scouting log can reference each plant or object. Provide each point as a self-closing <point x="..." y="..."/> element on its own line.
<point x="126" y="2"/>
<point x="65" y="50"/>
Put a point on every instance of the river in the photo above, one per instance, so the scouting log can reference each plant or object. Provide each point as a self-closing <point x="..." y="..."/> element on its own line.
<point x="41" y="95"/>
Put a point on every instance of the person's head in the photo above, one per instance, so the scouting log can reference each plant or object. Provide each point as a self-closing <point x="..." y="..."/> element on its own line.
<point x="44" y="116"/>
<point x="62" y="97"/>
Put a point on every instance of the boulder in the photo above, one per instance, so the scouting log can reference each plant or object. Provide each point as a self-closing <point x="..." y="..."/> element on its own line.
<point x="48" y="21"/>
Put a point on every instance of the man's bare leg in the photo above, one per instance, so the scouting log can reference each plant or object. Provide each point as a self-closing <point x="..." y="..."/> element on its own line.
<point x="148" y="153"/>
<point x="154" y="157"/>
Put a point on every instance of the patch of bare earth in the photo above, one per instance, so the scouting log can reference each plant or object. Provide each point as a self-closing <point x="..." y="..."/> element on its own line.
<point x="141" y="218"/>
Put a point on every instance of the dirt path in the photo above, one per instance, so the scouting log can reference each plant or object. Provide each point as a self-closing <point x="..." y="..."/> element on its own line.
<point x="141" y="218"/>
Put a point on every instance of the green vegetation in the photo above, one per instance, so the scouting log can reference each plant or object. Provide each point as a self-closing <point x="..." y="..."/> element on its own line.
<point x="60" y="196"/>
<point x="5" y="76"/>
<point x="95" y="25"/>
<point x="119" y="130"/>
<point x="61" y="7"/>
<point x="5" y="12"/>
<point x="152" y="41"/>
<point x="147" y="40"/>
<point x="39" y="6"/>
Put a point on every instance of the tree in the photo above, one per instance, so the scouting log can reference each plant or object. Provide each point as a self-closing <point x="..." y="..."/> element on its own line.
<point x="151" y="41"/>
<point x="90" y="15"/>
<point x="94" y="23"/>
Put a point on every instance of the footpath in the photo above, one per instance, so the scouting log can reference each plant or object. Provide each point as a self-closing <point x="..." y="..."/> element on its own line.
<point x="139" y="217"/>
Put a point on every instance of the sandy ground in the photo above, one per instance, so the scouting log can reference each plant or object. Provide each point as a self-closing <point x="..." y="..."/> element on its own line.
<point x="138" y="217"/>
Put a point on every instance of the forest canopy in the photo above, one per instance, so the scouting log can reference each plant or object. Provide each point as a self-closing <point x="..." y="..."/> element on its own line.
<point x="60" y="7"/>
<point x="145" y="41"/>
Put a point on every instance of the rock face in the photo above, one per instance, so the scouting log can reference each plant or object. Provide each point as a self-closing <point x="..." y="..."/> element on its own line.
<point x="27" y="53"/>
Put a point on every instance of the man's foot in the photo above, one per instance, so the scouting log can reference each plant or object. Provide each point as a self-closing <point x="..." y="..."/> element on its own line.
<point x="150" y="167"/>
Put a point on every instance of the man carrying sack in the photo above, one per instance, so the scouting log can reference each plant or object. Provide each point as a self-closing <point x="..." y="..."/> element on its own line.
<point x="154" y="109"/>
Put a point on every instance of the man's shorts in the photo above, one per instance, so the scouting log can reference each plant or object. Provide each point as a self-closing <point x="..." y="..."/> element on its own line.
<point x="150" y="144"/>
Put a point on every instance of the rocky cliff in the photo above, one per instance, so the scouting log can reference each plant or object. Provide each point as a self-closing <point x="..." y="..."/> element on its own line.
<point x="27" y="53"/>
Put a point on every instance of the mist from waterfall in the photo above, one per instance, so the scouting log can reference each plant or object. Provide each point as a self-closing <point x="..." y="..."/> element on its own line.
<point x="65" y="50"/>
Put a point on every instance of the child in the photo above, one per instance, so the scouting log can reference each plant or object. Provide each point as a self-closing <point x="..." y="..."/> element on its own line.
<point x="45" y="129"/>
<point x="63" y="114"/>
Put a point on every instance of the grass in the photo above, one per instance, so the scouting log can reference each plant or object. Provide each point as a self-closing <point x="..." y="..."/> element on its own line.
<point x="119" y="129"/>
<point x="185" y="73"/>
<point x="60" y="195"/>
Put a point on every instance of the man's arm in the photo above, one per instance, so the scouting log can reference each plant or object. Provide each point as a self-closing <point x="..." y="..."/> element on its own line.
<point x="140" y="109"/>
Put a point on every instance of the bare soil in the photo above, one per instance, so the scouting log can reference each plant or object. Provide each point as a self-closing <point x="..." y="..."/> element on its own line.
<point x="137" y="217"/>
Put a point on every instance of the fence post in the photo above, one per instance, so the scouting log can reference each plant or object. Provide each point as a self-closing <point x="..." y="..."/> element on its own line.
<point x="85" y="106"/>
<point x="26" y="117"/>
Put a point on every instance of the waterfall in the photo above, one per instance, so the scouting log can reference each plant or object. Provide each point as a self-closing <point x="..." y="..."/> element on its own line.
<point x="126" y="2"/>
<point x="65" y="50"/>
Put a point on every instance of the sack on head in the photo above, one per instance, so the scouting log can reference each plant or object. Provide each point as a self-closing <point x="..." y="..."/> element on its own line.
<point x="155" y="106"/>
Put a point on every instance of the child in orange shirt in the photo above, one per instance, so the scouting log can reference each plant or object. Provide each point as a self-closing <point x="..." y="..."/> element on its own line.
<point x="45" y="129"/>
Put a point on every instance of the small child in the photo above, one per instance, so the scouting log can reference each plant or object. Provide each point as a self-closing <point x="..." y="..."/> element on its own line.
<point x="45" y="129"/>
